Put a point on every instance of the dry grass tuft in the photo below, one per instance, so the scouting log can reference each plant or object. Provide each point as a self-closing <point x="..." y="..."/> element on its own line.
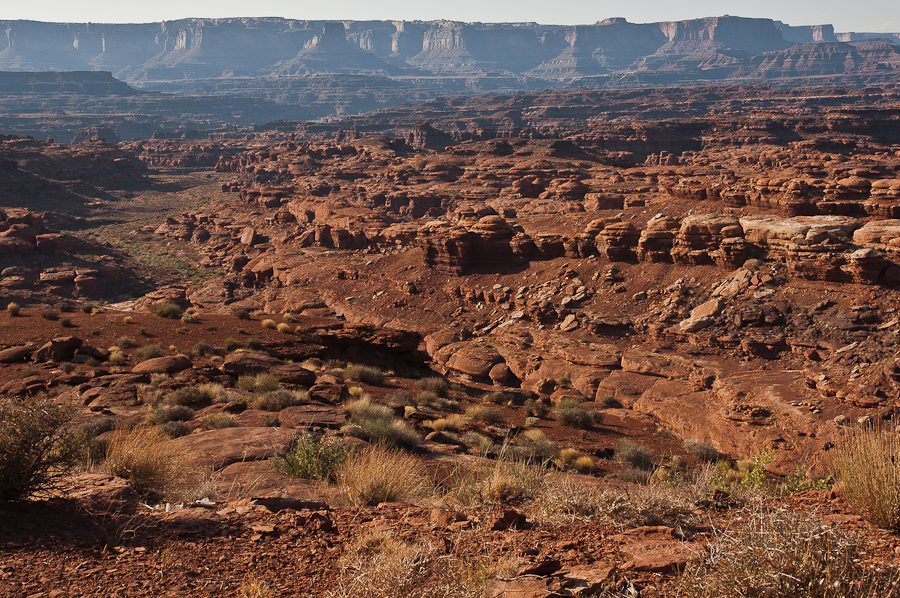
<point x="380" y="566"/>
<point x="379" y="474"/>
<point x="777" y="553"/>
<point x="505" y="480"/>
<point x="156" y="469"/>
<point x="255" y="589"/>
<point x="867" y="465"/>
<point x="641" y="505"/>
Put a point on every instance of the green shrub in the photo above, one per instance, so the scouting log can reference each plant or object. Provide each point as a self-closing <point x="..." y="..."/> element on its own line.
<point x="65" y="322"/>
<point x="311" y="458"/>
<point x="241" y="314"/>
<point x="165" y="309"/>
<point x="568" y="403"/>
<point x="634" y="455"/>
<point x="50" y="314"/>
<point x="149" y="352"/>
<point x="254" y="344"/>
<point x="87" y="307"/>
<point x="63" y="307"/>
<point x="232" y="344"/>
<point x="36" y="449"/>
<point x="366" y="374"/>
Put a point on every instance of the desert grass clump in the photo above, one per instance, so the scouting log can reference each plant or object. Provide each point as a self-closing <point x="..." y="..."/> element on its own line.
<point x="485" y="414"/>
<point x="116" y="356"/>
<point x="451" y="423"/>
<point x="576" y="417"/>
<point x="283" y="328"/>
<point x="36" y="447"/>
<point x="434" y="384"/>
<point x="366" y="374"/>
<point x="162" y="414"/>
<point x="702" y="450"/>
<point x="634" y="455"/>
<point x="127" y="320"/>
<point x="379" y="424"/>
<point x="49" y="314"/>
<point x="536" y="443"/>
<point x="779" y="553"/>
<point x="268" y="323"/>
<point x="13" y="308"/>
<point x="149" y="352"/>
<point x="508" y="479"/>
<point x="639" y="506"/>
<point x="125" y="342"/>
<point x="496" y="397"/>
<point x="380" y="474"/>
<point x="261" y="382"/>
<point x="311" y="458"/>
<point x="536" y="409"/>
<point x="166" y="309"/>
<point x="156" y="468"/>
<point x="867" y="465"/>
<point x="380" y="566"/>
<point x="190" y="318"/>
<point x="277" y="400"/>
<point x="232" y="344"/>
<point x="255" y="589"/>
<point x="215" y="421"/>
<point x="190" y="396"/>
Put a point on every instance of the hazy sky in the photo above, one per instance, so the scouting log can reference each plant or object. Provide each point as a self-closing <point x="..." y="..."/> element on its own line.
<point x="859" y="15"/>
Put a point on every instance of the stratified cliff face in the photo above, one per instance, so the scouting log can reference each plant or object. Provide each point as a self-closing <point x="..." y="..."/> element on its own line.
<point x="316" y="69"/>
<point x="216" y="48"/>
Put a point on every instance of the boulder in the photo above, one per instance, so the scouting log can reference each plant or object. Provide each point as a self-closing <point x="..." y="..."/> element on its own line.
<point x="163" y="365"/>
<point x="59" y="349"/>
<point x="239" y="364"/>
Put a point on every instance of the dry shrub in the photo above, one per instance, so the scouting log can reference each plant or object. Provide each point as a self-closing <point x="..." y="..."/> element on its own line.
<point x="777" y="553"/>
<point x="435" y="384"/>
<point x="35" y="447"/>
<point x="379" y="474"/>
<point x="536" y="443"/>
<point x="255" y="589"/>
<point x="506" y="479"/>
<point x="702" y="450"/>
<point x="165" y="309"/>
<point x="641" y="505"/>
<point x="155" y="467"/>
<point x="13" y="308"/>
<point x="262" y="382"/>
<point x="149" y="352"/>
<point x="868" y="465"/>
<point x="268" y="323"/>
<point x="219" y="420"/>
<point x="634" y="455"/>
<point x="379" y="424"/>
<point x="488" y="415"/>
<point x="366" y="374"/>
<point x="380" y="566"/>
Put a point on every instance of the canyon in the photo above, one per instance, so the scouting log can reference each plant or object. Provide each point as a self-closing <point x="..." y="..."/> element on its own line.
<point x="534" y="250"/>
